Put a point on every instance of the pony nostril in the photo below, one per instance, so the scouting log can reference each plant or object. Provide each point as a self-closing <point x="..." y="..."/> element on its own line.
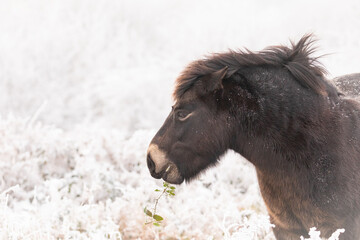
<point x="152" y="168"/>
<point x="156" y="161"/>
<point x="150" y="164"/>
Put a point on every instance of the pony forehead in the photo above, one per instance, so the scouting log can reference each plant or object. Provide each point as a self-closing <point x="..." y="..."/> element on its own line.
<point x="187" y="98"/>
<point x="296" y="59"/>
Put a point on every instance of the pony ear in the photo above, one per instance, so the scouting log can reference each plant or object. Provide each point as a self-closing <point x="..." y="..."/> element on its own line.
<point x="212" y="81"/>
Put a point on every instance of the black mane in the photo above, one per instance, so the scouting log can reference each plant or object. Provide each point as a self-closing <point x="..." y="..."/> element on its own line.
<point x="296" y="59"/>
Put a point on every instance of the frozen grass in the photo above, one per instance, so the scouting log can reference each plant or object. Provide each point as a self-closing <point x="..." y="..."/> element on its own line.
<point x="85" y="84"/>
<point x="62" y="185"/>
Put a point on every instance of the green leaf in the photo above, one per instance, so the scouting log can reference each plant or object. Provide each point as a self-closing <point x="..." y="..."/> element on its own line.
<point x="157" y="190"/>
<point x="156" y="224"/>
<point x="165" y="184"/>
<point x="158" y="218"/>
<point x="172" y="194"/>
<point x="173" y="188"/>
<point x="147" y="212"/>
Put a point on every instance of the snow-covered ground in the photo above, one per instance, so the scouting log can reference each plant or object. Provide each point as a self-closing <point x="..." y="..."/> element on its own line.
<point x="85" y="84"/>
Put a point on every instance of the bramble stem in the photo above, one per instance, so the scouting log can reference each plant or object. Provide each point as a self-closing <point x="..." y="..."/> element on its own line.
<point x="156" y="219"/>
<point x="157" y="200"/>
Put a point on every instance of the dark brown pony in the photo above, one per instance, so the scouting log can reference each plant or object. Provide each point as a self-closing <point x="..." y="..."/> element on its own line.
<point x="276" y="109"/>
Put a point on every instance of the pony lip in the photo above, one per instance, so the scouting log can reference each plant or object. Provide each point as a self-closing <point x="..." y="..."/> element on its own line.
<point x="170" y="178"/>
<point x="156" y="175"/>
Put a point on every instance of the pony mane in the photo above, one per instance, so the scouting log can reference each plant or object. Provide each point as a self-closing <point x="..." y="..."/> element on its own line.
<point x="296" y="59"/>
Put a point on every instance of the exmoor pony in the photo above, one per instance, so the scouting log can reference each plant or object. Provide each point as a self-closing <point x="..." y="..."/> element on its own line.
<point x="276" y="108"/>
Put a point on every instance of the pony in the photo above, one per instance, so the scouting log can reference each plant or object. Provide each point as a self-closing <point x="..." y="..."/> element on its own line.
<point x="276" y="108"/>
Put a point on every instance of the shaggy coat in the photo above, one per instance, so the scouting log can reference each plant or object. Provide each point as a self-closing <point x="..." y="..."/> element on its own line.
<point x="276" y="109"/>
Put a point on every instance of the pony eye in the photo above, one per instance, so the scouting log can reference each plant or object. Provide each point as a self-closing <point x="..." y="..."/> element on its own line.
<point x="182" y="115"/>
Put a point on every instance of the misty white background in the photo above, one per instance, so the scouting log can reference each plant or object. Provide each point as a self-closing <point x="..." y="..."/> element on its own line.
<point x="84" y="85"/>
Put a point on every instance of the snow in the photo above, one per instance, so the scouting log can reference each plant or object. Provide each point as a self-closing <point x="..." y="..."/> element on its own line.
<point x="315" y="235"/>
<point x="84" y="86"/>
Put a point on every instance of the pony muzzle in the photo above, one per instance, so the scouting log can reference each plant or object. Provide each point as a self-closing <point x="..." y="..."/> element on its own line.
<point x="161" y="167"/>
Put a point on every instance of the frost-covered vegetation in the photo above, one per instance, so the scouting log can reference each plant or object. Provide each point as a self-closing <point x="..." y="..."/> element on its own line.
<point x="85" y="84"/>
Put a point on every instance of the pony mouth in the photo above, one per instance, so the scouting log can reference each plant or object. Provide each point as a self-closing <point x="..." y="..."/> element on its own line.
<point x="157" y="175"/>
<point x="172" y="175"/>
<point x="169" y="173"/>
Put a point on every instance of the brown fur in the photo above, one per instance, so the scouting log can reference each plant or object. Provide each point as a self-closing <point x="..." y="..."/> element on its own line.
<point x="277" y="110"/>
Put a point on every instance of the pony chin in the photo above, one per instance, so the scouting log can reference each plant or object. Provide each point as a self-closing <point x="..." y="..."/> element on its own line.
<point x="173" y="179"/>
<point x="178" y="180"/>
<point x="172" y="175"/>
